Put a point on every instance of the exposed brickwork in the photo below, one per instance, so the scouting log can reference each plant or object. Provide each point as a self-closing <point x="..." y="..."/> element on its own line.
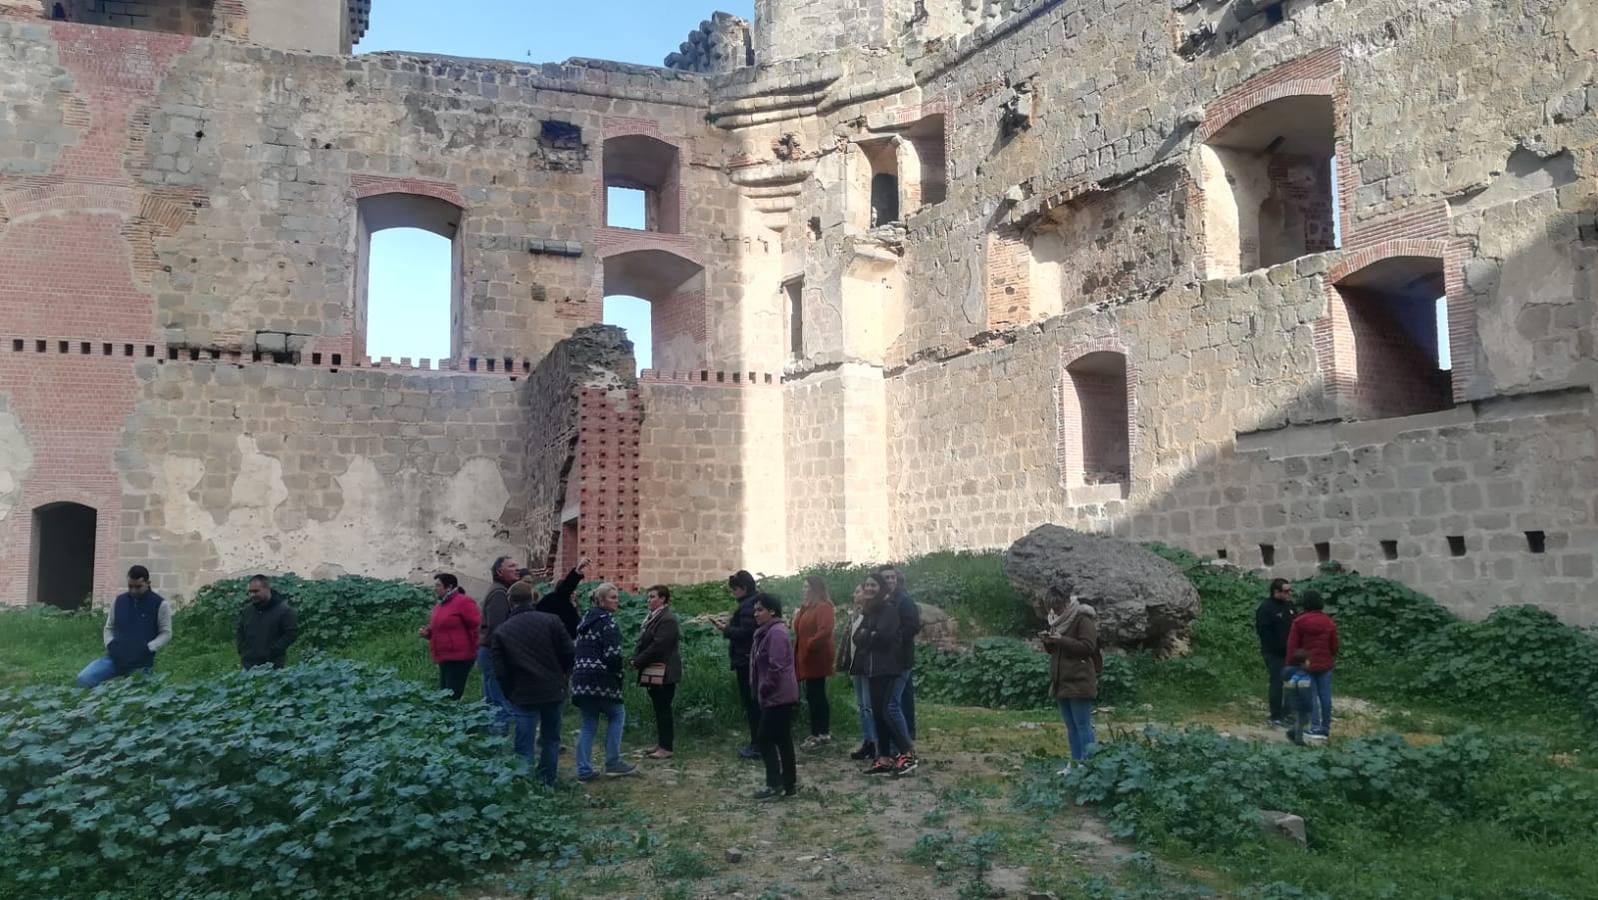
<point x="607" y="483"/>
<point x="1008" y="280"/>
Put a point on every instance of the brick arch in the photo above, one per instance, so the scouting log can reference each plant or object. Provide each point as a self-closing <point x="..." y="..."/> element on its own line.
<point x="1239" y="102"/>
<point x="1071" y="454"/>
<point x="363" y="186"/>
<point x="1333" y="332"/>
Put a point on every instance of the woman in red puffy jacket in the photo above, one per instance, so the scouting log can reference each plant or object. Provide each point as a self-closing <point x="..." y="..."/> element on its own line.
<point x="1315" y="632"/>
<point x="451" y="633"/>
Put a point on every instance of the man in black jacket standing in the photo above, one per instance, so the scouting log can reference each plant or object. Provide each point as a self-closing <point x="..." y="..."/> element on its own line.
<point x="532" y="656"/>
<point x="739" y="630"/>
<point x="1272" y="622"/>
<point x="267" y="626"/>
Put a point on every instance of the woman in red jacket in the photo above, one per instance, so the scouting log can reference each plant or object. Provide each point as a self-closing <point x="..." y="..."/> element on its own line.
<point x="1315" y="632"/>
<point x="812" y="628"/>
<point x="451" y="633"/>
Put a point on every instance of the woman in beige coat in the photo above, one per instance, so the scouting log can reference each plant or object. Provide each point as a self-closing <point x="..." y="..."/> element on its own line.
<point x="1072" y="640"/>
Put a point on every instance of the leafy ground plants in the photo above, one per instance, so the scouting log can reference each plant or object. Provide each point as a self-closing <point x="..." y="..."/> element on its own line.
<point x="330" y="779"/>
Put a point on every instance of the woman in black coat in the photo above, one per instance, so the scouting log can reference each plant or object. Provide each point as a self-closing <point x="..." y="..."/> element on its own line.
<point x="659" y="663"/>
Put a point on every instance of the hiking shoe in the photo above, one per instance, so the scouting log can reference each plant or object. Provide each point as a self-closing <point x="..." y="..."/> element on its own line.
<point x="749" y="752"/>
<point x="866" y="751"/>
<point x="881" y="767"/>
<point x="808" y="743"/>
<point x="586" y="777"/>
<point x="1314" y="738"/>
<point x="904" y="765"/>
<point x="767" y="794"/>
<point x="1279" y="723"/>
<point x="620" y="770"/>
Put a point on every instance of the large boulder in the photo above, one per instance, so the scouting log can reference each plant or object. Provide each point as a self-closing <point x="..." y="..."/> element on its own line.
<point x="938" y="627"/>
<point x="1142" y="600"/>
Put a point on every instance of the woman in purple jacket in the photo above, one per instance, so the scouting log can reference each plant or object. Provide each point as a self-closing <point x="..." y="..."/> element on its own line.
<point x="776" y="689"/>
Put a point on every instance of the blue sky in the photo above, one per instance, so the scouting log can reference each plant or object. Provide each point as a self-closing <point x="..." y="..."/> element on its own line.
<point x="408" y="295"/>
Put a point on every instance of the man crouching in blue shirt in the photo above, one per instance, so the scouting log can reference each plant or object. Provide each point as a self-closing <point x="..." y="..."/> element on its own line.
<point x="138" y="624"/>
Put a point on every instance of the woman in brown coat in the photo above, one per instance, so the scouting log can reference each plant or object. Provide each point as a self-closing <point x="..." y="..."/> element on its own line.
<point x="812" y="628"/>
<point x="1072" y="640"/>
<point x="658" y="659"/>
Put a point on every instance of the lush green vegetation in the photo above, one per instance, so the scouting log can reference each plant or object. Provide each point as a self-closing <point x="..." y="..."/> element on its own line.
<point x="256" y="784"/>
<point x="1489" y="794"/>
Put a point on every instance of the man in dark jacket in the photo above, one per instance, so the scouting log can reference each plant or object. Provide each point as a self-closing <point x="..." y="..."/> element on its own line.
<point x="532" y="656"/>
<point x="267" y="626"/>
<point x="138" y="623"/>
<point x="903" y="706"/>
<point x="1273" y="620"/>
<point x="496" y="608"/>
<point x="739" y="630"/>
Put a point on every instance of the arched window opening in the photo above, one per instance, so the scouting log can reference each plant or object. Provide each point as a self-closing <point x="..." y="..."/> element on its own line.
<point x="634" y="316"/>
<point x="642" y="184"/>
<point x="670" y="290"/>
<point x="1096" y="423"/>
<point x="1269" y="186"/>
<point x="1390" y="340"/>
<point x="63" y="555"/>
<point x="408" y="277"/>
<point x="874" y="197"/>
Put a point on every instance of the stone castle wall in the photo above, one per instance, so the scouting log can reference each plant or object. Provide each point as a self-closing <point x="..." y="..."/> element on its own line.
<point x="1162" y="270"/>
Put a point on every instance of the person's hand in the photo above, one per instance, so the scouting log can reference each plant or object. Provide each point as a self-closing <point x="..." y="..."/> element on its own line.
<point x="424" y="631"/>
<point x="582" y="564"/>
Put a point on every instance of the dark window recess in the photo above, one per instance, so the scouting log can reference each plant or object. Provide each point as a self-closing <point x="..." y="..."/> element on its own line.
<point x="1323" y="552"/>
<point x="1268" y="554"/>
<point x="884" y="199"/>
<point x="1456" y="545"/>
<point x="1275" y="14"/>
<point x="560" y="135"/>
<point x="1389" y="550"/>
<point x="1536" y="542"/>
<point x="1220" y="554"/>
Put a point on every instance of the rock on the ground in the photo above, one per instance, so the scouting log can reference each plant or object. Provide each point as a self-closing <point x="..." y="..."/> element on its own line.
<point x="1285" y="823"/>
<point x="938" y="627"/>
<point x="1142" y="600"/>
<point x="733" y="855"/>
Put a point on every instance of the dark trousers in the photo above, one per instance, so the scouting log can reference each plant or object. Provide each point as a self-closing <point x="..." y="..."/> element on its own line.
<point x="660" y="696"/>
<point x="1273" y="671"/>
<point x="774" y="737"/>
<point x="889" y="728"/>
<point x="746" y="693"/>
<point x="820" y="709"/>
<point x="452" y="675"/>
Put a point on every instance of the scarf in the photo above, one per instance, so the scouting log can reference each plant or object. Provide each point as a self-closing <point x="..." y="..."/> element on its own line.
<point x="1061" y="622"/>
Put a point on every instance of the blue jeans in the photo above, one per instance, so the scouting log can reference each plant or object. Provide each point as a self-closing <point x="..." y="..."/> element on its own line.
<point x="100" y="671"/>
<point x="1078" y="716"/>
<point x="862" y="699"/>
<point x="529" y="722"/>
<point x="904" y="702"/>
<point x="1321" y="720"/>
<point x="615" y="717"/>
<point x="492" y="695"/>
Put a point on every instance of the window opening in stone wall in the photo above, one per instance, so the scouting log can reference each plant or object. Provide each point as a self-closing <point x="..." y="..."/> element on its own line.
<point x="1268" y="554"/>
<point x="874" y="183"/>
<point x="1389" y="333"/>
<point x="673" y="290"/>
<point x="1268" y="186"/>
<point x="928" y="183"/>
<point x="1096" y="422"/>
<point x="1536" y="542"/>
<point x="625" y="208"/>
<point x="63" y="555"/>
<point x="1323" y="552"/>
<point x="408" y="278"/>
<point x="794" y="296"/>
<point x="1220" y="554"/>
<point x="190" y="17"/>
<point x="1389" y="550"/>
<point x="634" y="316"/>
<point x="1456" y="545"/>
<point x="648" y="166"/>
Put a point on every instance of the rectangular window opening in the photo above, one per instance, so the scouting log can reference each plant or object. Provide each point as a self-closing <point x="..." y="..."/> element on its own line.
<point x="1268" y="554"/>
<point x="626" y="208"/>
<point x="1221" y="553"/>
<point x="1456" y="545"/>
<point x="1389" y="550"/>
<point x="1323" y="552"/>
<point x="795" y="291"/>
<point x="1536" y="542"/>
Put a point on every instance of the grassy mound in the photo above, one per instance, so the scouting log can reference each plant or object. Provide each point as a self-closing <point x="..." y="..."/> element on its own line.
<point x="330" y="779"/>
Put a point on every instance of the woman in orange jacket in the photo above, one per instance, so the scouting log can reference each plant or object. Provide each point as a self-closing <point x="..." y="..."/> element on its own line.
<point x="812" y="627"/>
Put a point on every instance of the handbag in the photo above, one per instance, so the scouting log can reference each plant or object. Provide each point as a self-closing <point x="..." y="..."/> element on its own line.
<point x="652" y="675"/>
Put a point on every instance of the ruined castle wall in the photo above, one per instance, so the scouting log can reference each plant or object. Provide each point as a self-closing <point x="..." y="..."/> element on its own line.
<point x="1233" y="439"/>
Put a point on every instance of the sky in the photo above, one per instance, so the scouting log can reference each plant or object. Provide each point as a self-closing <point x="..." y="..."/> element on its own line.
<point x="408" y="295"/>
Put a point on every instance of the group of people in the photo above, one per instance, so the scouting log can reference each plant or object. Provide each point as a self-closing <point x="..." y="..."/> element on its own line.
<point x="1300" y="647"/>
<point x="139" y="623"/>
